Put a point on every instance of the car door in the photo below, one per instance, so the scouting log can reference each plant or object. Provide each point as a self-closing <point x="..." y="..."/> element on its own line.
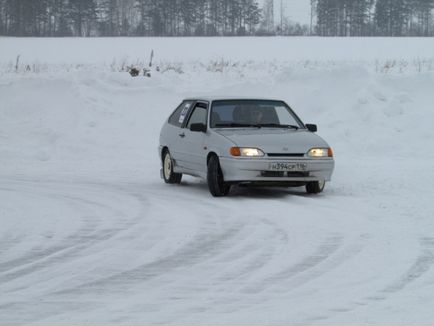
<point x="173" y="134"/>
<point x="193" y="146"/>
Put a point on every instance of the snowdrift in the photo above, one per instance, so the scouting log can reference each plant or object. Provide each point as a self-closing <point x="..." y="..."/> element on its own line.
<point x="91" y="236"/>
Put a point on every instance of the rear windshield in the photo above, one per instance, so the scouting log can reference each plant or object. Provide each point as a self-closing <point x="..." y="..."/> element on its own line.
<point x="252" y="113"/>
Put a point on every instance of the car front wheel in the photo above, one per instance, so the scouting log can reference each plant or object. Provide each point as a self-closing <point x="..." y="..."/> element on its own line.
<point x="315" y="187"/>
<point x="168" y="174"/>
<point x="217" y="186"/>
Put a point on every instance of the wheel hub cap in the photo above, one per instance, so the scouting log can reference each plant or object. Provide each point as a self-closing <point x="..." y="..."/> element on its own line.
<point x="167" y="166"/>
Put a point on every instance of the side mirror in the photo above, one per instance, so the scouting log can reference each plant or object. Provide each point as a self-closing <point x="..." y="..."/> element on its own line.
<point x="312" y="128"/>
<point x="198" y="127"/>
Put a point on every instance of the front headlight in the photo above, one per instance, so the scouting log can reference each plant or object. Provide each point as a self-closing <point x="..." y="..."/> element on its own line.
<point x="320" y="152"/>
<point x="246" y="152"/>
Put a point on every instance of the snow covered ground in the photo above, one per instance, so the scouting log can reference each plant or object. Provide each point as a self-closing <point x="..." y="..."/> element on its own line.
<point x="90" y="235"/>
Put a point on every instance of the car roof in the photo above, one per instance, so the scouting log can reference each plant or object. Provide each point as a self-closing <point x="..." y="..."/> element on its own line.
<point x="229" y="98"/>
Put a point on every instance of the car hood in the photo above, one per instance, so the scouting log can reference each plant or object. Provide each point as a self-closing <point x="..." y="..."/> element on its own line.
<point x="277" y="141"/>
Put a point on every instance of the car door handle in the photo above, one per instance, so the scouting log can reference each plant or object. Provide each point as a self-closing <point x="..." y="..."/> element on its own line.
<point x="182" y="135"/>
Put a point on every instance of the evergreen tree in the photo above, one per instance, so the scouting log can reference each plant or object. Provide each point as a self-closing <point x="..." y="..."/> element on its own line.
<point x="422" y="12"/>
<point x="83" y="16"/>
<point x="210" y="17"/>
<point x="268" y="14"/>
<point x="15" y="18"/>
<point x="108" y="17"/>
<point x="2" y="18"/>
<point x="252" y="16"/>
<point x="343" y="17"/>
<point x="392" y="16"/>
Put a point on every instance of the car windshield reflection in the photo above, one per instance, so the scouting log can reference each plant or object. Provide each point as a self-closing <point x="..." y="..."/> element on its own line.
<point x="253" y="114"/>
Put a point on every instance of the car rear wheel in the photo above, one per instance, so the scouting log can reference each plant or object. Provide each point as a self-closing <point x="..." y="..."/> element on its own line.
<point x="217" y="186"/>
<point x="315" y="187"/>
<point x="168" y="174"/>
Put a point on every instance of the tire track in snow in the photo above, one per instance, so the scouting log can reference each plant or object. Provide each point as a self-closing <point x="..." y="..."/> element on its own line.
<point x="286" y="279"/>
<point x="329" y="246"/>
<point x="201" y="248"/>
<point x="331" y="253"/>
<point x="41" y="255"/>
<point x="47" y="307"/>
<point x="421" y="266"/>
<point x="40" y="252"/>
<point x="56" y="255"/>
<point x="263" y="254"/>
<point x="215" y="239"/>
<point x="71" y="246"/>
<point x="8" y="241"/>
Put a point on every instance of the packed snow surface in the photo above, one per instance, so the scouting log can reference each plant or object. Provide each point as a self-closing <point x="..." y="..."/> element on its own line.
<point x="90" y="235"/>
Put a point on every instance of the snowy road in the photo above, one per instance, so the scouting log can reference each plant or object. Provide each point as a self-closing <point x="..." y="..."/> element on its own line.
<point x="90" y="235"/>
<point x="100" y="252"/>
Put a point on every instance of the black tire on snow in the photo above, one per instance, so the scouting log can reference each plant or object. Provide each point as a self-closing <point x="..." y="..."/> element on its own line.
<point x="315" y="187"/>
<point x="217" y="186"/>
<point x="168" y="174"/>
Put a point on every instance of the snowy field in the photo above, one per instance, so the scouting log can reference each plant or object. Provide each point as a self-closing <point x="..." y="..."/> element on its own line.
<point x="90" y="235"/>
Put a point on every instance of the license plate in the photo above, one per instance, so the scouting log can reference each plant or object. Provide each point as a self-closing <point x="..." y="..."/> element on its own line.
<point x="288" y="167"/>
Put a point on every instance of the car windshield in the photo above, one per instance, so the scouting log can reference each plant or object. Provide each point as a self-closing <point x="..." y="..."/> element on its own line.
<point x="253" y="114"/>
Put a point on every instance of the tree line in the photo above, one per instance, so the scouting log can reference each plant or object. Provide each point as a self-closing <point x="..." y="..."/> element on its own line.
<point x="212" y="18"/>
<point x="374" y="17"/>
<point x="128" y="17"/>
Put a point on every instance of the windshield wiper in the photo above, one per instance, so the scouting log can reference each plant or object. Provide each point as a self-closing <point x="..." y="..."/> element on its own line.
<point x="277" y="125"/>
<point x="235" y="125"/>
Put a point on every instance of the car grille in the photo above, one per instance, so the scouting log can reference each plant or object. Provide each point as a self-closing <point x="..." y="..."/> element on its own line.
<point x="285" y="154"/>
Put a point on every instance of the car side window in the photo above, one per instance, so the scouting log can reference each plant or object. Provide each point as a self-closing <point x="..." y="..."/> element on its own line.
<point x="198" y="116"/>
<point x="178" y="116"/>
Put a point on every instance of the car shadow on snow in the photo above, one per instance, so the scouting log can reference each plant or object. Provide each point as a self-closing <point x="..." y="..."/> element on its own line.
<point x="266" y="192"/>
<point x="246" y="192"/>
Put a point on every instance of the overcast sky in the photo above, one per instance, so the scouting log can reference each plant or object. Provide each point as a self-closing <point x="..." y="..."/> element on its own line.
<point x="296" y="10"/>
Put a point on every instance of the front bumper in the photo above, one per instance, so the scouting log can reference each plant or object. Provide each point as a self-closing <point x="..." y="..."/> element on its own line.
<point x="257" y="170"/>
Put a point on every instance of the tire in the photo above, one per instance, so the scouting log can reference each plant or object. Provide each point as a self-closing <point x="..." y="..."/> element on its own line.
<point x="217" y="186"/>
<point x="315" y="187"/>
<point x="168" y="174"/>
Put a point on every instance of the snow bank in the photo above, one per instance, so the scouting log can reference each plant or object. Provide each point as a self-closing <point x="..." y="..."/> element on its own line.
<point x="90" y="235"/>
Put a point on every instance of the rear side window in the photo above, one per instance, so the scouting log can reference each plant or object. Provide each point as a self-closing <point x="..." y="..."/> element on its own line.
<point x="180" y="114"/>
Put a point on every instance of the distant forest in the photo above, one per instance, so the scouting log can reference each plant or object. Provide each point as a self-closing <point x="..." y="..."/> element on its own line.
<point x="88" y="18"/>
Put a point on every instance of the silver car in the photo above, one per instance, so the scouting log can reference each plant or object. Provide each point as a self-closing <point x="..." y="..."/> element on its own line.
<point x="248" y="142"/>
